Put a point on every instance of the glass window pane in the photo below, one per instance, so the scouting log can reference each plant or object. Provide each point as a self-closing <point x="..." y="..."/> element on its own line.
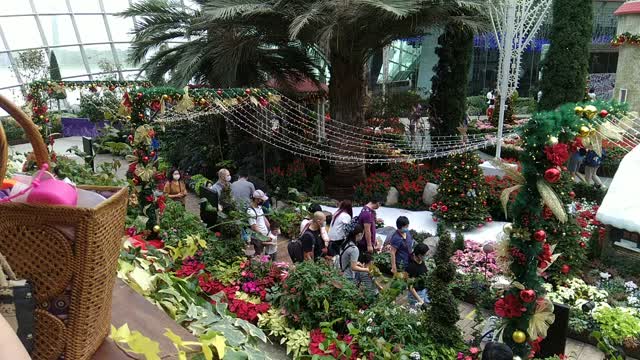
<point x="21" y="32"/>
<point x="58" y="30"/>
<point x="123" y="56"/>
<point x="15" y="7"/>
<point x="120" y="28"/>
<point x="133" y="75"/>
<point x="100" y="58"/>
<point x="91" y="28"/>
<point x="85" y="6"/>
<point x="70" y="61"/>
<point x="115" y="5"/>
<point x="7" y="76"/>
<point x="50" y="6"/>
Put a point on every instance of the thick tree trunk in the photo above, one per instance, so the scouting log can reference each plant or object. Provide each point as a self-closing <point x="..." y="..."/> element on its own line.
<point x="346" y="101"/>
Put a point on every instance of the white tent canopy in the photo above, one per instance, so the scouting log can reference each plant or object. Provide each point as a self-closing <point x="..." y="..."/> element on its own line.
<point x="621" y="205"/>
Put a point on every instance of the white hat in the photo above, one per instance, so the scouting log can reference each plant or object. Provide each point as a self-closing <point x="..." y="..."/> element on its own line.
<point x="259" y="194"/>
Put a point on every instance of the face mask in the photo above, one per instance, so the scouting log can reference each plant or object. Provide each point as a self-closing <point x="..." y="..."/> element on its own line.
<point x="228" y="178"/>
<point x="405" y="230"/>
<point x="176" y="177"/>
<point x="276" y="232"/>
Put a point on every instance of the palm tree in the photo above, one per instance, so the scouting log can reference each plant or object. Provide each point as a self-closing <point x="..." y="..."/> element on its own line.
<point x="347" y="31"/>
<point x="190" y="46"/>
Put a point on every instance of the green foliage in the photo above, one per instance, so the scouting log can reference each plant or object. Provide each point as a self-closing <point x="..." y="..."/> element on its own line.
<point x="612" y="351"/>
<point x="434" y="350"/>
<point x="589" y="192"/>
<point x="12" y="130"/>
<point x="443" y="310"/>
<point x="612" y="160"/>
<point x="383" y="262"/>
<point x="509" y="113"/>
<point x="54" y="69"/>
<point x="197" y="182"/>
<point x="82" y="174"/>
<point x="463" y="193"/>
<point x="449" y="84"/>
<point x="221" y="250"/>
<point x="316" y="293"/>
<point x="98" y="107"/>
<point x="394" y="105"/>
<point x="566" y="66"/>
<point x="289" y="220"/>
<point x="625" y="264"/>
<point x="176" y="223"/>
<point x="618" y="324"/>
<point x="477" y="105"/>
<point x="458" y="244"/>
<point x="32" y="65"/>
<point x="317" y="185"/>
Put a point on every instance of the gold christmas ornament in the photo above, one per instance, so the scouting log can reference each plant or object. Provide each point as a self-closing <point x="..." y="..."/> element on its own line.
<point x="579" y="110"/>
<point x="519" y="337"/>
<point x="507" y="229"/>
<point x="584" y="130"/>
<point x="156" y="228"/>
<point x="590" y="111"/>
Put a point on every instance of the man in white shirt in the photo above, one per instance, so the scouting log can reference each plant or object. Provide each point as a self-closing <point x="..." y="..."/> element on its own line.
<point x="257" y="220"/>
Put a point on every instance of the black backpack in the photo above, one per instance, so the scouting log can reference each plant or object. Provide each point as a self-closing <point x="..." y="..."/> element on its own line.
<point x="295" y="249"/>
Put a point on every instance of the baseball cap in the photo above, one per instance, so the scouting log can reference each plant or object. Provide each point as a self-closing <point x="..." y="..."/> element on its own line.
<point x="259" y="194"/>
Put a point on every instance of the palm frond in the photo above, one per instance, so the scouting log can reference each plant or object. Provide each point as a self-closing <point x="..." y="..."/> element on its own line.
<point x="398" y="8"/>
<point x="229" y="9"/>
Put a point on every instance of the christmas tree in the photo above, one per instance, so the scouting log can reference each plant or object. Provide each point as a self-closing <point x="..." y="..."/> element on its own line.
<point x="443" y="310"/>
<point x="461" y="202"/>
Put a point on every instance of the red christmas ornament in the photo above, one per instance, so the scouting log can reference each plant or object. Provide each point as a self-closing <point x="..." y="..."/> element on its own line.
<point x="484" y="203"/>
<point x="444" y="208"/>
<point x="540" y="235"/>
<point x="552" y="175"/>
<point x="462" y="163"/>
<point x="474" y="185"/>
<point x="462" y="195"/>
<point x="475" y="171"/>
<point x="489" y="219"/>
<point x="153" y="154"/>
<point x="603" y="113"/>
<point x="582" y="244"/>
<point x="219" y="92"/>
<point x="480" y="225"/>
<point x="130" y="138"/>
<point x="247" y="91"/>
<point x="434" y="207"/>
<point x="527" y="296"/>
<point x="145" y="159"/>
<point x="565" y="269"/>
<point x="572" y="194"/>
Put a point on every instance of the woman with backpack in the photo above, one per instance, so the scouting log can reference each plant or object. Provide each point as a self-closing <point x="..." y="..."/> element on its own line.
<point x="347" y="259"/>
<point x="339" y="224"/>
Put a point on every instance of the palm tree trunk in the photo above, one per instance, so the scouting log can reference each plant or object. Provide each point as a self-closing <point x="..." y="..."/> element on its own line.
<point x="346" y="101"/>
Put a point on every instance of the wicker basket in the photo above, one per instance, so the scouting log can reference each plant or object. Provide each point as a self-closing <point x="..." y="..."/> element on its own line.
<point x="69" y="254"/>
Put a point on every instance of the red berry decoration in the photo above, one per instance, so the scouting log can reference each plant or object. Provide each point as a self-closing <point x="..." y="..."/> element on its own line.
<point x="474" y="185"/>
<point x="444" y="208"/>
<point x="552" y="175"/>
<point x="130" y="138"/>
<point x="489" y="219"/>
<point x="565" y="269"/>
<point x="540" y="235"/>
<point x="145" y="159"/>
<point x="434" y="206"/>
<point x="153" y="154"/>
<point x="462" y="163"/>
<point x="247" y="91"/>
<point x="603" y="113"/>
<point x="484" y="203"/>
<point x="475" y="171"/>
<point x="462" y="195"/>
<point x="572" y="194"/>
<point x="527" y="296"/>
<point x="582" y="244"/>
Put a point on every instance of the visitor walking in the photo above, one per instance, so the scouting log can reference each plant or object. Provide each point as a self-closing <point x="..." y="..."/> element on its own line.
<point x="271" y="246"/>
<point x="401" y="245"/>
<point x="257" y="221"/>
<point x="592" y="94"/>
<point x="337" y="232"/>
<point x="575" y="161"/>
<point x="313" y="247"/>
<point x="224" y="181"/>
<point x="365" y="279"/>
<point x="591" y="164"/>
<point x="417" y="270"/>
<point x="368" y="219"/>
<point x="314" y="208"/>
<point x="242" y="189"/>
<point x="348" y="254"/>
<point x="491" y="102"/>
<point x="175" y="189"/>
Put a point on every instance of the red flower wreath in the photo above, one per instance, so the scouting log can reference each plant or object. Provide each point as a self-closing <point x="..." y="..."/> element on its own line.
<point x="509" y="307"/>
<point x="557" y="154"/>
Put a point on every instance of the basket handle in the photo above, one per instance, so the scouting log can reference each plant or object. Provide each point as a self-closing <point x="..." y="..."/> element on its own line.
<point x="31" y="130"/>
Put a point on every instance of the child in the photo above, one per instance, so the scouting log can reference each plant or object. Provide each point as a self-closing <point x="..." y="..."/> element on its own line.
<point x="365" y="279"/>
<point x="271" y="246"/>
<point x="591" y="164"/>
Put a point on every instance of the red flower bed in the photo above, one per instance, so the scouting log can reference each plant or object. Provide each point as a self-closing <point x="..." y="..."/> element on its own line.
<point x="189" y="267"/>
<point x="317" y="338"/>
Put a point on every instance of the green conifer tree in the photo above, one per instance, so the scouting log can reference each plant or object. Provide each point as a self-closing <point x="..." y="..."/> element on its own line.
<point x="461" y="201"/>
<point x="566" y="66"/>
<point x="449" y="84"/>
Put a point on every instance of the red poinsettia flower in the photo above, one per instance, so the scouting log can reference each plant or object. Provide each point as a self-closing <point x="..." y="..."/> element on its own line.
<point x="509" y="307"/>
<point x="557" y="154"/>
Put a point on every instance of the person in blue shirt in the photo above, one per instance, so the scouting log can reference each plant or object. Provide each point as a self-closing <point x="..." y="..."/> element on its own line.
<point x="591" y="164"/>
<point x="401" y="245"/>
